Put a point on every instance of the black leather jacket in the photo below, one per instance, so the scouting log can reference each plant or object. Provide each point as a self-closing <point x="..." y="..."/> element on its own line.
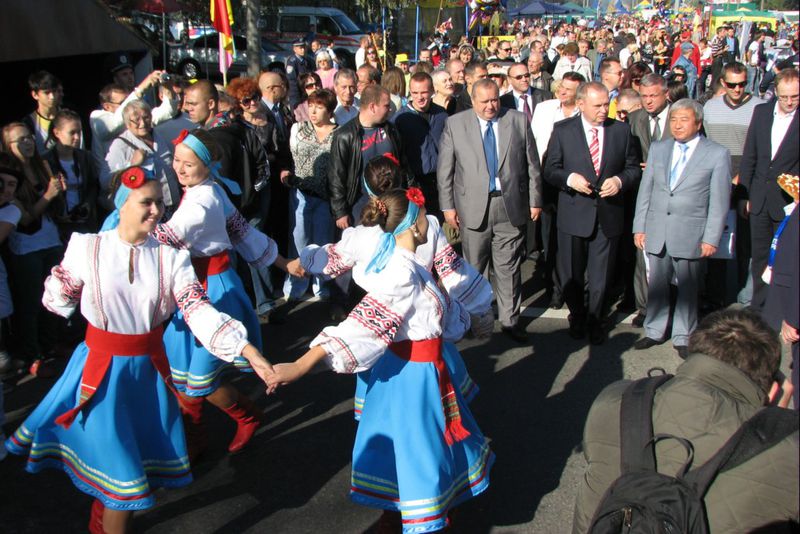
<point x="344" y="173"/>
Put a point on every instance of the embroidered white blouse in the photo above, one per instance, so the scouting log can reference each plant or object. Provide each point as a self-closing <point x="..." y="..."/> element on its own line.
<point x="96" y="272"/>
<point x="207" y="223"/>
<point x="357" y="246"/>
<point x="405" y="303"/>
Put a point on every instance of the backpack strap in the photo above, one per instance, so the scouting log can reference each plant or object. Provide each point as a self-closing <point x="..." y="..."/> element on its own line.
<point x="636" y="425"/>
<point x="768" y="427"/>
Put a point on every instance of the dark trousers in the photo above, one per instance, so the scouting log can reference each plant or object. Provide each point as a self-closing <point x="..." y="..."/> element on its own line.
<point x="35" y="329"/>
<point x="762" y="230"/>
<point x="577" y="255"/>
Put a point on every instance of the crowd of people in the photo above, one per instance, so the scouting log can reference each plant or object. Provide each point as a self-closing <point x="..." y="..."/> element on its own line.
<point x="643" y="167"/>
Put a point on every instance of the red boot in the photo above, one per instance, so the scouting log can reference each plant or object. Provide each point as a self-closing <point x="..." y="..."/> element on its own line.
<point x="96" y="518"/>
<point x="248" y="418"/>
<point x="194" y="429"/>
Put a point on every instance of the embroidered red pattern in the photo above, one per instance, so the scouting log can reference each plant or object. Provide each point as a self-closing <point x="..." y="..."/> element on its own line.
<point x="378" y="318"/>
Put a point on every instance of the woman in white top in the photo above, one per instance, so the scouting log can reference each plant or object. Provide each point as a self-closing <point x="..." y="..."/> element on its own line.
<point x="208" y="225"/>
<point x="418" y="450"/>
<point x="9" y="217"/>
<point x="138" y="145"/>
<point x="35" y="246"/>
<point x="112" y="421"/>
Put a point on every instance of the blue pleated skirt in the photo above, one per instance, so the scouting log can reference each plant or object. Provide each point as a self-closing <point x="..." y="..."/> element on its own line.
<point x="401" y="461"/>
<point x="195" y="371"/>
<point x="126" y="442"/>
<point x="455" y="366"/>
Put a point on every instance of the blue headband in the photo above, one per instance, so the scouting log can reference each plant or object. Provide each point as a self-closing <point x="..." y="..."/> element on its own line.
<point x="202" y="152"/>
<point x="387" y="242"/>
<point x="112" y="221"/>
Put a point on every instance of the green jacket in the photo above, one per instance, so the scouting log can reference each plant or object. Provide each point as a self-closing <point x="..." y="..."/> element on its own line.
<point x="705" y="402"/>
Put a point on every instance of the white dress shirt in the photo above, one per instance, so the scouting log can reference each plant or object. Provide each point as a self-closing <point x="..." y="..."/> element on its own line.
<point x="545" y="115"/>
<point x="676" y="156"/>
<point x="485" y="124"/>
<point x="780" y="125"/>
<point x="663" y="123"/>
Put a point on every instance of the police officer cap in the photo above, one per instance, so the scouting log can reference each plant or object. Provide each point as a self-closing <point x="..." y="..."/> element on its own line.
<point x="299" y="42"/>
<point x="118" y="61"/>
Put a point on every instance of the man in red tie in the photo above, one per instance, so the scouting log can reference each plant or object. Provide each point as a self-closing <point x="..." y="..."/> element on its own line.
<point x="591" y="160"/>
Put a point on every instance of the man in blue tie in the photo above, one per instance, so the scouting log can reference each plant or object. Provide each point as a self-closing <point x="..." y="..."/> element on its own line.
<point x="490" y="186"/>
<point x="680" y="215"/>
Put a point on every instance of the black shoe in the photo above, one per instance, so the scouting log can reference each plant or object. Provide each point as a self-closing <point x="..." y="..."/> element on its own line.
<point x="516" y="332"/>
<point x="556" y="302"/>
<point x="597" y="334"/>
<point x="683" y="351"/>
<point x="638" y="321"/>
<point x="646" y="343"/>
<point x="577" y="329"/>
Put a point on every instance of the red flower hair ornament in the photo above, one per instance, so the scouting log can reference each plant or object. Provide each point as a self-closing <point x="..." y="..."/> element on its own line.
<point x="414" y="194"/>
<point x="133" y="178"/>
<point x="391" y="157"/>
<point x="181" y="136"/>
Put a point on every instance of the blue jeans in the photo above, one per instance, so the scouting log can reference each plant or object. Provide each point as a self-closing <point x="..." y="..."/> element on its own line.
<point x="753" y="79"/>
<point x="311" y="223"/>
<point x="262" y="285"/>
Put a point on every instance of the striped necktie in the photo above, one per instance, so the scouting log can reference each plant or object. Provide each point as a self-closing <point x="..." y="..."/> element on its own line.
<point x="594" y="150"/>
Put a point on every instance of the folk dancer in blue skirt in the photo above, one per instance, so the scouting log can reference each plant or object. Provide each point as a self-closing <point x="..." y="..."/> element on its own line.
<point x="112" y="421"/>
<point x="418" y="450"/>
<point x="208" y="225"/>
<point x="458" y="278"/>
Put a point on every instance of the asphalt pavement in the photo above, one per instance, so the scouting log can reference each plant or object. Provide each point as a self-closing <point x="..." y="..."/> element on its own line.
<point x="294" y="476"/>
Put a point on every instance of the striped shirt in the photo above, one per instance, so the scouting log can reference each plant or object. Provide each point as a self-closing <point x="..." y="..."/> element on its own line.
<point x="727" y="125"/>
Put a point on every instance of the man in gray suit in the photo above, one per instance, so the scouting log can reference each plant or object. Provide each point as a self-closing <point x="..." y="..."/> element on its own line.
<point x="490" y="185"/>
<point x="680" y="215"/>
<point x="648" y="125"/>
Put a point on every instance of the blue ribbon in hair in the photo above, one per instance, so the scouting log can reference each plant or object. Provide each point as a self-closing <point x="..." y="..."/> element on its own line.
<point x="387" y="242"/>
<point x="202" y="152"/>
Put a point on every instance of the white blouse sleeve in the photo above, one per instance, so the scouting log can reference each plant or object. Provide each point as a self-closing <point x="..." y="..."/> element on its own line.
<point x="355" y="344"/>
<point x="456" y="321"/>
<point x="63" y="288"/>
<point x="460" y="279"/>
<point x="255" y="247"/>
<point x="333" y="259"/>
<point x="220" y="334"/>
<point x="184" y="227"/>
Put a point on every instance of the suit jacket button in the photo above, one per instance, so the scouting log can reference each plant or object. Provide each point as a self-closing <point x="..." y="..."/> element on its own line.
<point x="668" y="213"/>
<point x="672" y="194"/>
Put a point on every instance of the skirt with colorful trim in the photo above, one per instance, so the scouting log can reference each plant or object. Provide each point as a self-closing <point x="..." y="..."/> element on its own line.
<point x="126" y="442"/>
<point x="195" y="371"/>
<point x="401" y="461"/>
<point x="455" y="366"/>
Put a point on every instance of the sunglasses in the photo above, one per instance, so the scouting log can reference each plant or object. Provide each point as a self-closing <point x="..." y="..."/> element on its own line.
<point x="521" y="76"/>
<point x="731" y="85"/>
<point x="311" y="85"/>
<point x="250" y="99"/>
<point x="506" y="49"/>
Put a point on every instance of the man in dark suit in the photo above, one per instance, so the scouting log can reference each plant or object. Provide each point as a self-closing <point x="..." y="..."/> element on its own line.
<point x="770" y="149"/>
<point x="472" y="73"/>
<point x="522" y="96"/>
<point x="783" y="299"/>
<point x="648" y="125"/>
<point x="489" y="187"/>
<point x="591" y="160"/>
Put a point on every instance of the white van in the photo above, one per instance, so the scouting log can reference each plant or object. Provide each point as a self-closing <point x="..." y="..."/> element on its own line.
<point x="289" y="23"/>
